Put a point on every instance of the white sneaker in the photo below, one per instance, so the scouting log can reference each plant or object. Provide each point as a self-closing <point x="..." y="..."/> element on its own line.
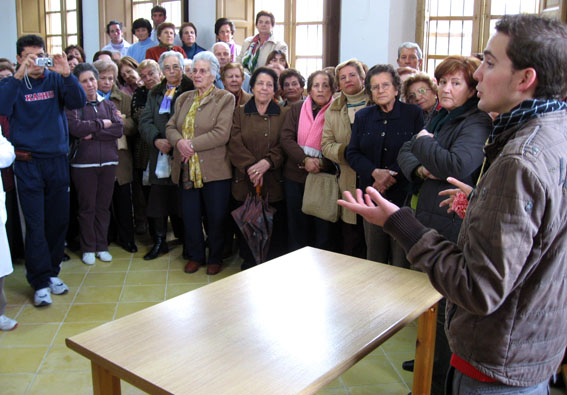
<point x="88" y="258"/>
<point x="7" y="324"/>
<point x="42" y="297"/>
<point x="104" y="256"/>
<point x="57" y="286"/>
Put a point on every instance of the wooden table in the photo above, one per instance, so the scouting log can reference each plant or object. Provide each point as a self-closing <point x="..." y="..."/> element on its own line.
<point x="291" y="325"/>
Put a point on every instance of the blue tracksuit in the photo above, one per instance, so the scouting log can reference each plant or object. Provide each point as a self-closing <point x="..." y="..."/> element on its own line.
<point x="38" y="125"/>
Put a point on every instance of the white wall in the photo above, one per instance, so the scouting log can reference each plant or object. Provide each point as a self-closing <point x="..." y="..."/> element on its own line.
<point x="203" y="14"/>
<point x="9" y="30"/>
<point x="91" y="42"/>
<point x="372" y="30"/>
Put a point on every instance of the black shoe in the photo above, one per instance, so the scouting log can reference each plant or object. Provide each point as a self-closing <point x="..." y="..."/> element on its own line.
<point x="129" y="246"/>
<point x="408" y="365"/>
<point x="159" y="248"/>
<point x="65" y="258"/>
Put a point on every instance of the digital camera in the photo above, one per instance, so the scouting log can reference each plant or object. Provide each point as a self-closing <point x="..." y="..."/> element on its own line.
<point x="44" y="62"/>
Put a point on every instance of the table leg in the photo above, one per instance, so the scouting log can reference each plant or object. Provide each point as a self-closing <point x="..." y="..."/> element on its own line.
<point x="424" y="349"/>
<point x="104" y="383"/>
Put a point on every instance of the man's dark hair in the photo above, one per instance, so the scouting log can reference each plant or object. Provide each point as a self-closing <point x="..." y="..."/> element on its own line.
<point x="159" y="8"/>
<point x="140" y="23"/>
<point x="224" y="21"/>
<point x="29" y="40"/>
<point x="97" y="54"/>
<point x="112" y="23"/>
<point x="287" y="73"/>
<point x="540" y="43"/>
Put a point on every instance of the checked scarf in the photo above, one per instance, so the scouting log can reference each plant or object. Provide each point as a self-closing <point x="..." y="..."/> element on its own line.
<point x="524" y="112"/>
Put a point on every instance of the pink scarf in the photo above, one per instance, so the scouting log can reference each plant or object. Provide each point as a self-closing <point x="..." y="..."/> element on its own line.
<point x="310" y="131"/>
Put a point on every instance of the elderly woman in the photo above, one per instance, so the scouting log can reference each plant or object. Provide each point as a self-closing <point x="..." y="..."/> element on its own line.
<point x="93" y="165"/>
<point x="421" y="89"/>
<point x="257" y="156"/>
<point x="188" y="34"/>
<point x="163" y="199"/>
<point x="451" y="145"/>
<point x="349" y="77"/>
<point x="128" y="77"/>
<point x="256" y="49"/>
<point x="301" y="141"/>
<point x="232" y="77"/>
<point x="224" y="30"/>
<point x="199" y="132"/>
<point x="151" y="75"/>
<point x="121" y="226"/>
<point x="292" y="84"/>
<point x="378" y="133"/>
<point x="166" y="36"/>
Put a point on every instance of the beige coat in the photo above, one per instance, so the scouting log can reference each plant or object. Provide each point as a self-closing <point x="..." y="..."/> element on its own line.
<point x="213" y="122"/>
<point x="265" y="50"/>
<point x="123" y="103"/>
<point x="335" y="140"/>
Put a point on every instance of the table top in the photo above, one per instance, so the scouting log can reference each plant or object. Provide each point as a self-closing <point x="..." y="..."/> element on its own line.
<point x="290" y="325"/>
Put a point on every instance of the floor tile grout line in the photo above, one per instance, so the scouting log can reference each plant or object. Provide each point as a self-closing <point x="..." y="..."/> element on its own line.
<point x="123" y="287"/>
<point x="396" y="370"/>
<point x="30" y="385"/>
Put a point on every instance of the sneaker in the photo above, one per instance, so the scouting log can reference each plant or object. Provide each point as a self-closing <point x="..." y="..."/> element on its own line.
<point x="88" y="258"/>
<point x="104" y="256"/>
<point x="7" y="324"/>
<point x="57" y="286"/>
<point x="42" y="297"/>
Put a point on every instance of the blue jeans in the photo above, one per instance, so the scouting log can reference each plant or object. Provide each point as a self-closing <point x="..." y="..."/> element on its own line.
<point x="464" y="385"/>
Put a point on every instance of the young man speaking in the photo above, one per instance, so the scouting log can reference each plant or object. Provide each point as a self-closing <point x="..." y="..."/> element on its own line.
<point x="506" y="278"/>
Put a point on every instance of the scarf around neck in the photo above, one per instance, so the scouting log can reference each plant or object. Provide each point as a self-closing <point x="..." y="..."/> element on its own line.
<point x="354" y="103"/>
<point x="165" y="106"/>
<point x="525" y="111"/>
<point x="444" y="116"/>
<point x="250" y="58"/>
<point x="194" y="177"/>
<point x="310" y="130"/>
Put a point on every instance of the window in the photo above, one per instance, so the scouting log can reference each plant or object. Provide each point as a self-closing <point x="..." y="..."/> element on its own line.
<point x="143" y="9"/>
<point x="61" y="24"/>
<point x="463" y="27"/>
<point x="300" y="24"/>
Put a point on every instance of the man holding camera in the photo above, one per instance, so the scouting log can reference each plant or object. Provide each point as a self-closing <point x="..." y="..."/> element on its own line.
<point x="34" y="100"/>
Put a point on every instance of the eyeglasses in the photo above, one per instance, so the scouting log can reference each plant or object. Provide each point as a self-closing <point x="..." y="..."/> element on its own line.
<point x="385" y="86"/>
<point x="175" y="67"/>
<point x="420" y="92"/>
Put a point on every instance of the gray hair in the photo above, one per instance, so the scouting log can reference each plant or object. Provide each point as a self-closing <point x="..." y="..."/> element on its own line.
<point x="410" y="45"/>
<point x="225" y="45"/>
<point x="84" y="67"/>
<point x="171" y="53"/>
<point x="103" y="66"/>
<point x="208" y="56"/>
<point x="187" y="62"/>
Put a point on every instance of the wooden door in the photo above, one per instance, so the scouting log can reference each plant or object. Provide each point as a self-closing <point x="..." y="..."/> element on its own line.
<point x="241" y="12"/>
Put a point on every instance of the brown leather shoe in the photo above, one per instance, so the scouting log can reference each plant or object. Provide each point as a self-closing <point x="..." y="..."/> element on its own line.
<point x="213" y="269"/>
<point x="192" y="267"/>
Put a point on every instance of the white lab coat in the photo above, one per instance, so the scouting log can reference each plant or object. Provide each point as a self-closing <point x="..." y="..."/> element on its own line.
<point x="7" y="156"/>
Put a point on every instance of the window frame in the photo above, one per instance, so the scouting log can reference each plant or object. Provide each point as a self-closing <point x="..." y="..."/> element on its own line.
<point x="64" y="31"/>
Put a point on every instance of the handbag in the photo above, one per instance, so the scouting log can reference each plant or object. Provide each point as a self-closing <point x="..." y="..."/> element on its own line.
<point x="163" y="166"/>
<point x="321" y="195"/>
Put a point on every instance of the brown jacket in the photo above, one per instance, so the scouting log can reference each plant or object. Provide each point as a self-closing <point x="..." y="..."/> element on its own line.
<point x="293" y="168"/>
<point x="255" y="137"/>
<point x="213" y="121"/>
<point x="123" y="103"/>
<point x="505" y="279"/>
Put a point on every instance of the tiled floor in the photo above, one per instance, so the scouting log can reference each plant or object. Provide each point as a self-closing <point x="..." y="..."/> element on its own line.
<point x="35" y="360"/>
